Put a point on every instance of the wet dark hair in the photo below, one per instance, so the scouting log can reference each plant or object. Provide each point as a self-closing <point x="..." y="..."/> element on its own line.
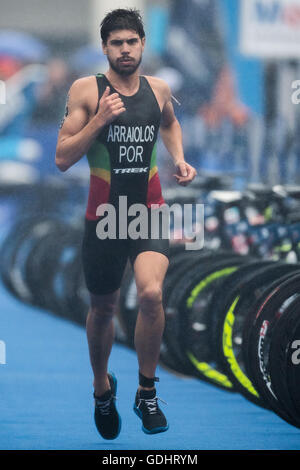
<point x="120" y="18"/>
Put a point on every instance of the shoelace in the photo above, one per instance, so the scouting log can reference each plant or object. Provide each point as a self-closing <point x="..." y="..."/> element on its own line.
<point x="104" y="407"/>
<point x="151" y="404"/>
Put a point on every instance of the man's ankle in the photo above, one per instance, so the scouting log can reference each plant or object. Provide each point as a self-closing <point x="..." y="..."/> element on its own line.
<point x="145" y="388"/>
<point x="146" y="382"/>
<point x="101" y="387"/>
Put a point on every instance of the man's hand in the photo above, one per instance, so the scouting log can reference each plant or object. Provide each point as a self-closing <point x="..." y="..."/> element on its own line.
<point x="110" y="107"/>
<point x="185" y="173"/>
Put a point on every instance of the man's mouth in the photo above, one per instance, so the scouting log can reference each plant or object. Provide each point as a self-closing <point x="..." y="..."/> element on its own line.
<point x="126" y="60"/>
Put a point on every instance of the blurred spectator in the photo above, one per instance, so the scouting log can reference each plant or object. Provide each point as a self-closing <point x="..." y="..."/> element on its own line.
<point x="196" y="66"/>
<point x="22" y="77"/>
<point x="88" y="60"/>
<point x="52" y="94"/>
<point x="224" y="102"/>
<point x="9" y="66"/>
<point x="196" y="48"/>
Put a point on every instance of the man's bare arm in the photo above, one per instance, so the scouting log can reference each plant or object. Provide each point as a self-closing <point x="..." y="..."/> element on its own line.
<point x="78" y="132"/>
<point x="171" y="134"/>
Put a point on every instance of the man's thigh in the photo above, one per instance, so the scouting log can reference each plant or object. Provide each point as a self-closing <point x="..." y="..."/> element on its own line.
<point x="150" y="268"/>
<point x="104" y="262"/>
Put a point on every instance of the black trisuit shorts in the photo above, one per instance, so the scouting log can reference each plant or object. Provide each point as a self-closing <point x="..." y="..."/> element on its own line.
<point x="104" y="261"/>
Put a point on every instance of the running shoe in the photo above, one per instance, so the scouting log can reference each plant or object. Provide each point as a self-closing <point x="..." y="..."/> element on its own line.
<point x="147" y="409"/>
<point x="107" y="418"/>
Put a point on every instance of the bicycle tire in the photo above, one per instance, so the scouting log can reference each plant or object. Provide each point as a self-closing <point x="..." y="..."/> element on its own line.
<point x="279" y="355"/>
<point x="176" y="303"/>
<point x="293" y="369"/>
<point x="238" y="302"/>
<point x="260" y="334"/>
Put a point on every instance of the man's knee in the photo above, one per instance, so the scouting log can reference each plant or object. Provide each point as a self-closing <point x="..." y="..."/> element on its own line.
<point x="150" y="296"/>
<point x="104" y="306"/>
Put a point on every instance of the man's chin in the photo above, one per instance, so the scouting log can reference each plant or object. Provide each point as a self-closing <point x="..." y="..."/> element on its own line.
<point x="125" y="70"/>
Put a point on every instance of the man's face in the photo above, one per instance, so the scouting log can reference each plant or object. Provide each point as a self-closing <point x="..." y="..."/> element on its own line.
<point x="124" y="49"/>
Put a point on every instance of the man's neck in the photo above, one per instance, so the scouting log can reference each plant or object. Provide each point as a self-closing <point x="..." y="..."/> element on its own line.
<point x="126" y="85"/>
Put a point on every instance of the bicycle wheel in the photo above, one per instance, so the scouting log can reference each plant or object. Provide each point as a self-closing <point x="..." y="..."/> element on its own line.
<point x="186" y="334"/>
<point x="280" y="355"/>
<point x="293" y="368"/>
<point x="45" y="261"/>
<point x="230" y="326"/>
<point x="177" y="271"/>
<point x="259" y="342"/>
<point x="21" y="240"/>
<point x="228" y="285"/>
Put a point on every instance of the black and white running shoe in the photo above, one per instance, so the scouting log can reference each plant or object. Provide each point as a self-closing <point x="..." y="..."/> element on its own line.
<point x="147" y="409"/>
<point x="107" y="418"/>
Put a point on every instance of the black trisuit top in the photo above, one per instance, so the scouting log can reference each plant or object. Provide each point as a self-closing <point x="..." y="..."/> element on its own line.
<point x="122" y="159"/>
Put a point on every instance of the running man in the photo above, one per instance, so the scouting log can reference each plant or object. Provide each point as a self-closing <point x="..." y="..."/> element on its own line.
<point x="114" y="119"/>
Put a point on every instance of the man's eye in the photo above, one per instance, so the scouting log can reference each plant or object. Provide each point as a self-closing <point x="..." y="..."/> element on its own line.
<point x="116" y="43"/>
<point x="131" y="42"/>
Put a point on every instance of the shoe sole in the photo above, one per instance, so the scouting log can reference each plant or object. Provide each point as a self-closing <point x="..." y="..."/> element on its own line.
<point x="147" y="431"/>
<point x="114" y="386"/>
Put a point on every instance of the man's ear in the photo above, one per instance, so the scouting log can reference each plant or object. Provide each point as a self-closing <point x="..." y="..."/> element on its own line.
<point x="104" y="48"/>
<point x="143" y="42"/>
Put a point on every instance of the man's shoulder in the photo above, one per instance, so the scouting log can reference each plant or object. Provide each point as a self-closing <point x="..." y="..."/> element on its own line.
<point x="83" y="92"/>
<point x="158" y="83"/>
<point x="83" y="83"/>
<point x="160" y="88"/>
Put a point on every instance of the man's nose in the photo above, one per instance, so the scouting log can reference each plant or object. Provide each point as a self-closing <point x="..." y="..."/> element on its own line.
<point x="125" y="48"/>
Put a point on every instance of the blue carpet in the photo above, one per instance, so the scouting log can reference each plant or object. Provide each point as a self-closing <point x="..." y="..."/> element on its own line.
<point x="46" y="397"/>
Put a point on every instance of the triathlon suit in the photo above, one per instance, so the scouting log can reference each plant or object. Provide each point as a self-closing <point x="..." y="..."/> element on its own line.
<point x="122" y="162"/>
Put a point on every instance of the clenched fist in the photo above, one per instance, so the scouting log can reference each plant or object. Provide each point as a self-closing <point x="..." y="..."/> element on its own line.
<point x="110" y="106"/>
<point x="185" y="173"/>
